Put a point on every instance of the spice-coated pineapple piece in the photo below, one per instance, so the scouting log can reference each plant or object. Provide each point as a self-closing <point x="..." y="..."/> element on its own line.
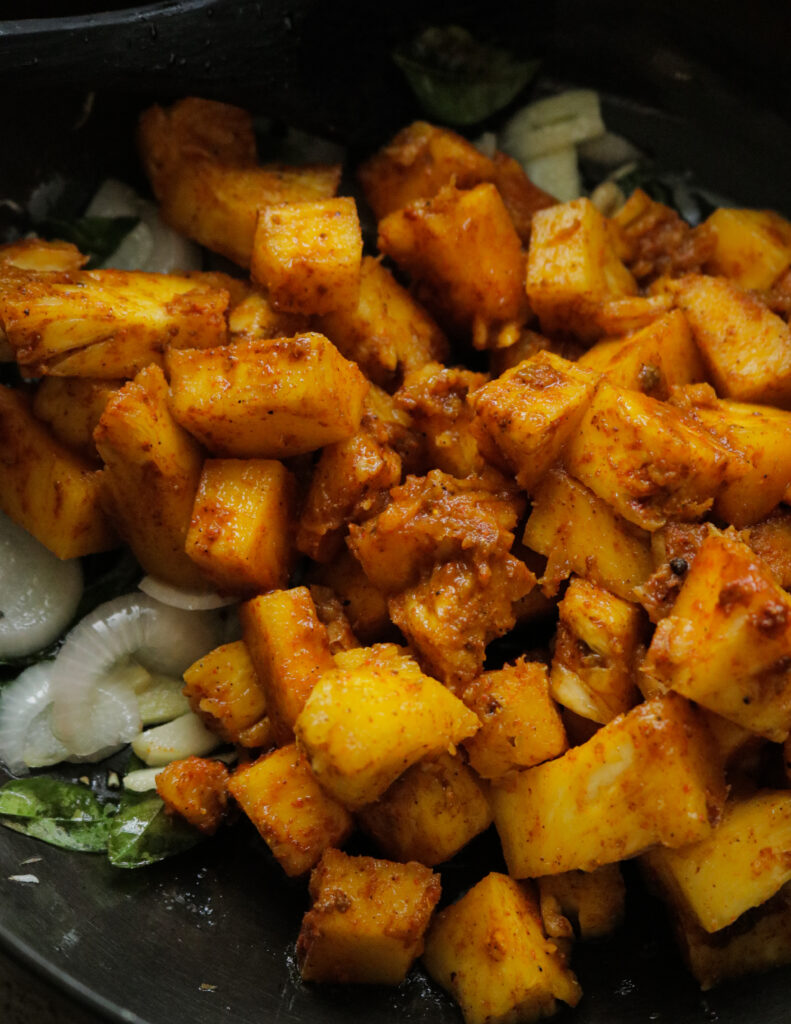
<point x="596" y="648"/>
<point x="745" y="346"/>
<point x="290" y="650"/>
<point x="254" y="317"/>
<point x="520" y="724"/>
<point x="743" y="863"/>
<point x="649" y="776"/>
<point x="579" y="533"/>
<point x="463" y="251"/>
<point x="47" y="488"/>
<point x="573" y="269"/>
<point x="296" y="818"/>
<point x="652" y="360"/>
<point x="242" y="530"/>
<point x="72" y="406"/>
<point x="522" y="198"/>
<point x="430" y="813"/>
<point x="490" y="952"/>
<point x="771" y="541"/>
<point x="307" y="255"/>
<point x="365" y="604"/>
<point x="371" y="717"/>
<point x="223" y="688"/>
<point x="36" y="254"/>
<point x="385" y="331"/>
<point x="532" y="410"/>
<point x="587" y="904"/>
<point x="727" y="642"/>
<point x="367" y="919"/>
<point x="150" y="477"/>
<point x="106" y="323"/>
<point x="752" y="248"/>
<point x="645" y="459"/>
<point x="267" y="399"/>
<point x="197" y="789"/>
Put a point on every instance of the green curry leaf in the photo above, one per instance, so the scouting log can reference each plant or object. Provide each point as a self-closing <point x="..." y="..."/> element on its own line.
<point x="64" y="814"/>
<point x="142" y="832"/>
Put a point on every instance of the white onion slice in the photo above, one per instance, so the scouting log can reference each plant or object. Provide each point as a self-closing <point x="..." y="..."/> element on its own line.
<point x="91" y="709"/>
<point x="39" y="592"/>
<point x="180" y="597"/>
<point x="141" y="780"/>
<point x="162" y="700"/>
<point x="183" y="737"/>
<point x="26" y="738"/>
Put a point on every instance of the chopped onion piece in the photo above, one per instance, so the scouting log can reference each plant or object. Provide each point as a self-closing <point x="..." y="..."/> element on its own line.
<point x="557" y="173"/>
<point x="94" y="708"/>
<point x="179" y="597"/>
<point x="141" y="780"/>
<point x="39" y="592"/>
<point x="26" y="738"/>
<point x="183" y="737"/>
<point x="162" y="700"/>
<point x="553" y="123"/>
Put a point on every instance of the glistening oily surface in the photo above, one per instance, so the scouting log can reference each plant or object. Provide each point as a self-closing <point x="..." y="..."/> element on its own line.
<point x="287" y="994"/>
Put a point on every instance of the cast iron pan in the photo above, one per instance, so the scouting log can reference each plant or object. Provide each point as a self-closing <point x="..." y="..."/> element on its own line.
<point x="209" y="936"/>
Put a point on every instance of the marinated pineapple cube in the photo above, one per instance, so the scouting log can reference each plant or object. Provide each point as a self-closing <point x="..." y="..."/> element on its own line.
<point x="363" y="725"/>
<point x="367" y="920"/>
<point x="267" y="399"/>
<point x="596" y="651"/>
<point x="386" y="331"/>
<point x="72" y="406"/>
<point x="579" y="533"/>
<point x="47" y="488"/>
<point x="649" y="776"/>
<point x="645" y="459"/>
<point x="752" y="248"/>
<point x="572" y="269"/>
<point x="653" y="360"/>
<point x="588" y="904"/>
<point x="417" y="163"/>
<point x="429" y="814"/>
<point x="151" y="474"/>
<point x="43" y="257"/>
<point x="307" y="255"/>
<point x="196" y="788"/>
<point x="522" y="198"/>
<point x="297" y="820"/>
<point x="490" y="952"/>
<point x="451" y="615"/>
<point x="531" y="411"/>
<point x="727" y="643"/>
<point x="520" y="724"/>
<point x="364" y="603"/>
<point x="746" y="347"/>
<point x="771" y="541"/>
<point x="242" y="530"/>
<point x="106" y="323"/>
<point x="743" y="863"/>
<point x="290" y="651"/>
<point x="254" y="318"/>
<point x="463" y="250"/>
<point x="223" y="688"/>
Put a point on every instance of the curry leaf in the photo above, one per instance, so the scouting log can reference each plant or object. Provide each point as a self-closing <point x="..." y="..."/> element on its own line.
<point x="142" y="832"/>
<point x="459" y="80"/>
<point x="64" y="814"/>
<point x="95" y="237"/>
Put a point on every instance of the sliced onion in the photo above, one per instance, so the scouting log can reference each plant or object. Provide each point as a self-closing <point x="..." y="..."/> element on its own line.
<point x="26" y="737"/>
<point x="91" y="709"/>
<point x="186" y="736"/>
<point x="39" y="592"/>
<point x="179" y="597"/>
<point x="141" y="780"/>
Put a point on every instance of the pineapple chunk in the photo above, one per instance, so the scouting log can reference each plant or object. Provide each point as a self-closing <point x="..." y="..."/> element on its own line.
<point x="72" y="406"/>
<point x="297" y="820"/>
<point x="223" y="688"/>
<point x="254" y="318"/>
<point x="367" y="920"/>
<point x="242" y="527"/>
<point x="743" y="863"/>
<point x="752" y="248"/>
<point x="151" y="475"/>
<point x="386" y="331"/>
<point x="649" y="776"/>
<point x="429" y="814"/>
<point x="366" y="721"/>
<point x="365" y="604"/>
<point x="520" y="724"/>
<point x="490" y="952"/>
<point x="531" y="411"/>
<point x="522" y="198"/>
<point x="746" y="347"/>
<point x="727" y="643"/>
<point x="307" y="255"/>
<point x="589" y="904"/>
<point x="645" y="459"/>
<point x="596" y="647"/>
<point x="573" y="269"/>
<point x="267" y="399"/>
<point x="52" y="492"/>
<point x="290" y="651"/>
<point x="771" y="541"/>
<point x="579" y="533"/>
<point x="196" y="788"/>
